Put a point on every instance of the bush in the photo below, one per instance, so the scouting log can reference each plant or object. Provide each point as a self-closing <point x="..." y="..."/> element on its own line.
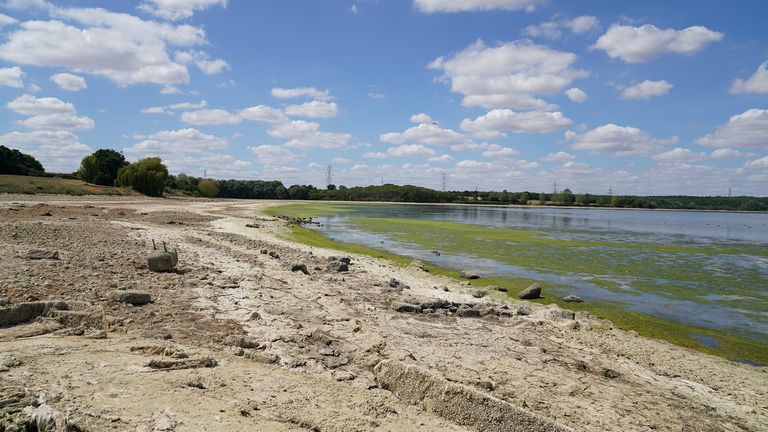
<point x="13" y="161"/>
<point x="147" y="176"/>
<point x="208" y="188"/>
<point x="101" y="167"/>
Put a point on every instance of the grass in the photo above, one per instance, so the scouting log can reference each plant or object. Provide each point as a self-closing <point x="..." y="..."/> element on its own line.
<point x="16" y="184"/>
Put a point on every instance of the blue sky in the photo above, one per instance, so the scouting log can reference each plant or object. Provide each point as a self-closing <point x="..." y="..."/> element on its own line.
<point x="639" y="97"/>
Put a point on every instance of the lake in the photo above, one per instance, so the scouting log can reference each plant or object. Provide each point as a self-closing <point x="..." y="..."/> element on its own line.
<point x="708" y="269"/>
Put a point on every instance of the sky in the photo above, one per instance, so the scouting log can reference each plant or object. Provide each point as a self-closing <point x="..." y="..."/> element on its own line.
<point x="643" y="97"/>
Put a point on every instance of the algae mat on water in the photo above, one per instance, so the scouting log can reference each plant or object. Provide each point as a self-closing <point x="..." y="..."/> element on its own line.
<point x="674" y="272"/>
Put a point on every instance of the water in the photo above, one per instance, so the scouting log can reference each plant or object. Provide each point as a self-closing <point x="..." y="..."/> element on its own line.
<point x="715" y="276"/>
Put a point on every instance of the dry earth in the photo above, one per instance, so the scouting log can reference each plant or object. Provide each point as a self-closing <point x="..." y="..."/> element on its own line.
<point x="234" y="340"/>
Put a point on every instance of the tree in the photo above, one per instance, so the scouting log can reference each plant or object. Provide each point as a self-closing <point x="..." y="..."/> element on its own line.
<point x="208" y="188"/>
<point x="101" y="167"/>
<point x="298" y="192"/>
<point x="13" y="161"/>
<point x="147" y="176"/>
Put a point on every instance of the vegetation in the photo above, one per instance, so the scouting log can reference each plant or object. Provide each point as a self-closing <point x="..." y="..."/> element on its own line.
<point x="101" y="167"/>
<point x="13" y="161"/>
<point x="208" y="188"/>
<point x="147" y="176"/>
<point x="48" y="185"/>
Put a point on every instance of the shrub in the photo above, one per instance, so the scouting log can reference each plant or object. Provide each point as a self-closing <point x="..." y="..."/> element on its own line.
<point x="101" y="167"/>
<point x="208" y="188"/>
<point x="147" y="176"/>
<point x="13" y="161"/>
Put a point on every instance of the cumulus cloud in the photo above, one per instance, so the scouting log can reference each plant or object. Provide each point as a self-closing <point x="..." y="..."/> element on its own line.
<point x="424" y="133"/>
<point x="69" y="82"/>
<point x="31" y="105"/>
<point x="497" y="122"/>
<point x="5" y="20"/>
<point x="375" y="155"/>
<point x="171" y="142"/>
<point x="56" y="122"/>
<point x="473" y="165"/>
<point x="725" y="153"/>
<point x="178" y="9"/>
<point x="679" y="154"/>
<point x="640" y="44"/>
<point x="421" y="118"/>
<point x="748" y="129"/>
<point x="210" y="117"/>
<point x="433" y="6"/>
<point x="646" y="90"/>
<point x="576" y="95"/>
<point x="203" y="61"/>
<point x="313" y="109"/>
<point x="509" y="75"/>
<point x="264" y="114"/>
<point x="57" y="151"/>
<point x="757" y="83"/>
<point x="553" y="29"/>
<point x="413" y="150"/>
<point x="446" y="158"/>
<point x="301" y="92"/>
<point x="618" y="141"/>
<point x="170" y="109"/>
<point x="495" y="150"/>
<point x="758" y="163"/>
<point x="304" y="134"/>
<point x="11" y="77"/>
<point x="119" y="46"/>
<point x="560" y="156"/>
<point x="274" y="155"/>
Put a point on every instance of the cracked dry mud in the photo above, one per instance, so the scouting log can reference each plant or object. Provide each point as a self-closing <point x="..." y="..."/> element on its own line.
<point x="234" y="340"/>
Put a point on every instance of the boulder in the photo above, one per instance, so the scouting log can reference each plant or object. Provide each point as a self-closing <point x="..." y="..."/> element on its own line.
<point x="40" y="254"/>
<point x="406" y="307"/>
<point x="299" y="267"/>
<point x="468" y="275"/>
<point x="532" y="292"/>
<point x="161" y="260"/>
<point x="467" y="312"/>
<point x="136" y="298"/>
<point x="572" y="298"/>
<point x="337" y="266"/>
<point x="479" y="294"/>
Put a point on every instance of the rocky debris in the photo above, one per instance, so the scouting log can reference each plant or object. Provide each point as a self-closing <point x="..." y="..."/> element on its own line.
<point x="274" y="254"/>
<point x="253" y="225"/>
<point x="394" y="283"/>
<point x="464" y="274"/>
<point x="337" y="266"/>
<point x="162" y="260"/>
<point x="610" y="373"/>
<point x="8" y="361"/>
<point x="343" y="259"/>
<point x="241" y="342"/>
<point x="418" y="265"/>
<point x="5" y="301"/>
<point x="466" y="311"/>
<point x="573" y="298"/>
<point x="136" y="298"/>
<point x="41" y="254"/>
<point x="479" y="293"/>
<point x="458" y="403"/>
<point x="406" y="307"/>
<point x="25" y="312"/>
<point x="296" y="267"/>
<point x="532" y="292"/>
<point x="435" y="253"/>
<point x="342" y="375"/>
<point x="176" y="364"/>
<point x="461" y="310"/>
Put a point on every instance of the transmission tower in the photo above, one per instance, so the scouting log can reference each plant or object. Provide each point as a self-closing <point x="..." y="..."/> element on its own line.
<point x="554" y="191"/>
<point x="329" y="176"/>
<point x="610" y="190"/>
<point x="444" y="181"/>
<point x="729" y="192"/>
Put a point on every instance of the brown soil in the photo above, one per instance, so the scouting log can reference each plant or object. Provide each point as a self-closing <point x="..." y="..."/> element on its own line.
<point x="234" y="340"/>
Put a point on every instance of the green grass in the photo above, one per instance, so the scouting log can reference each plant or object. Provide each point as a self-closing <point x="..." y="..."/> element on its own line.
<point x="526" y="248"/>
<point x="16" y="184"/>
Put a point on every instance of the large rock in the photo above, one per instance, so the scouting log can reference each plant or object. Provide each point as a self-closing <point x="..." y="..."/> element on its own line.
<point x="337" y="266"/>
<point x="158" y="260"/>
<point x="136" y="298"/>
<point x="532" y="292"/>
<point x="296" y="267"/>
<point x="469" y="275"/>
<point x="40" y="254"/>
<point x="573" y="298"/>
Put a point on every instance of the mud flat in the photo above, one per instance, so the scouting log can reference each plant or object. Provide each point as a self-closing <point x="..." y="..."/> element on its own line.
<point x="253" y="332"/>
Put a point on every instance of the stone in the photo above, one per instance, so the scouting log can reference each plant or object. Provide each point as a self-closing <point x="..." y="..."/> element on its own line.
<point x="479" y="294"/>
<point x="532" y="292"/>
<point x="406" y="307"/>
<point x="41" y="254"/>
<point x="161" y="260"/>
<point x="274" y="254"/>
<point x="468" y="275"/>
<point x="136" y="298"/>
<point x="523" y="311"/>
<point x="337" y="266"/>
<point x="296" y="267"/>
<point x="610" y="374"/>
<point x="394" y="283"/>
<point x="346" y="260"/>
<point x="573" y="298"/>
<point x="5" y="301"/>
<point x="241" y="342"/>
<point x="467" y="313"/>
<point x="255" y="225"/>
<point x="435" y="253"/>
<point x="418" y="265"/>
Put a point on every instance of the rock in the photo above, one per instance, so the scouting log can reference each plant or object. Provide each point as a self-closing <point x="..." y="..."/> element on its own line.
<point x="394" y="283"/>
<point x="274" y="254"/>
<point x="611" y="374"/>
<point x="435" y="253"/>
<point x="418" y="265"/>
<point x="5" y="301"/>
<point x="40" y="254"/>
<point x="532" y="292"/>
<point x="342" y="375"/>
<point x="241" y="342"/>
<point x="136" y="298"/>
<point x="467" y="313"/>
<point x="523" y="311"/>
<point x="406" y="307"/>
<point x="252" y="225"/>
<point x="468" y="275"/>
<point x="299" y="267"/>
<point x="161" y="260"/>
<point x="337" y="266"/>
<point x="487" y="311"/>
<point x="346" y="260"/>
<point x="572" y="298"/>
<point x="479" y="294"/>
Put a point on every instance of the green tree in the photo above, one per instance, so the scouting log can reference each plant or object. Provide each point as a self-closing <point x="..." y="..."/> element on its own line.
<point x="13" y="161"/>
<point x="523" y="198"/>
<point x="101" y="167"/>
<point x="298" y="192"/>
<point x="147" y="176"/>
<point x="208" y="188"/>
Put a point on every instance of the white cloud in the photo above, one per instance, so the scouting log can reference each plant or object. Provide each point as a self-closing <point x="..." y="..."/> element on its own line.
<point x="5" y="20"/>
<point x="421" y="118"/>
<point x="203" y="61"/>
<point x="58" y="122"/>
<point x="757" y="83"/>
<point x="495" y="150"/>
<point x="121" y="47"/>
<point x="169" y="109"/>
<point x="303" y="134"/>
<point x="446" y="158"/>
<point x="155" y="110"/>
<point x="11" y="77"/>
<point x="640" y="44"/>
<point x="432" y="6"/>
<point x="171" y="142"/>
<point x="178" y="9"/>
<point x="473" y="165"/>
<point x="576" y="95"/>
<point x="210" y="117"/>
<point x="413" y="150"/>
<point x="758" y="163"/>
<point x="31" y="105"/>
<point x="424" y="133"/>
<point x="313" y="109"/>
<point x="264" y="114"/>
<point x="274" y="155"/>
<point x="69" y="82"/>
<point x="560" y="156"/>
<point x="375" y="155"/>
<point x="301" y="92"/>
<point x="748" y="129"/>
<point x="341" y="160"/>
<point x="58" y="151"/>
<point x="553" y="29"/>
<point x="725" y="153"/>
<point x="679" y="154"/>
<point x="499" y="121"/>
<point x="646" y="90"/>
<point x="618" y="141"/>
<point x="377" y="95"/>
<point x="509" y="75"/>
<point x="169" y="90"/>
